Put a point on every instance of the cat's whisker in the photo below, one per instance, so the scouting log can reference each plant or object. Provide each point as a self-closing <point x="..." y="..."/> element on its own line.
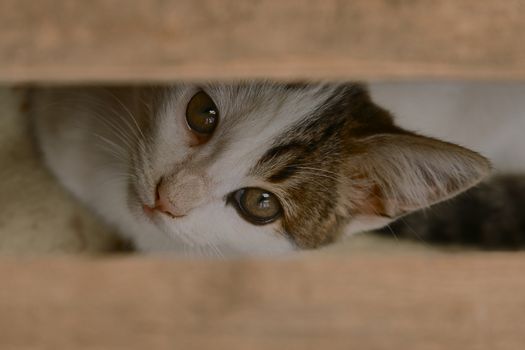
<point x="315" y="173"/>
<point x="120" y="136"/>
<point x="411" y="229"/>
<point x="128" y="111"/>
<point x="319" y="169"/>
<point x="101" y="111"/>
<point x="126" y="139"/>
<point x="299" y="185"/>
<point x="114" y="181"/>
<point x="217" y="251"/>
<point x="126" y="125"/>
<point x="393" y="233"/>
<point x="118" y="149"/>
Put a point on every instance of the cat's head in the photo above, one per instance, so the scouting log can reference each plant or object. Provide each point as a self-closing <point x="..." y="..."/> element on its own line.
<point x="267" y="167"/>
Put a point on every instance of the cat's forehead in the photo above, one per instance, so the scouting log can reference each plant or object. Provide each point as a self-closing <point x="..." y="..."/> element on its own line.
<point x="262" y="102"/>
<point x="255" y="116"/>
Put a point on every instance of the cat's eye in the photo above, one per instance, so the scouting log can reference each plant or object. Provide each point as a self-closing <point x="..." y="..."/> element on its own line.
<point x="256" y="205"/>
<point x="202" y="116"/>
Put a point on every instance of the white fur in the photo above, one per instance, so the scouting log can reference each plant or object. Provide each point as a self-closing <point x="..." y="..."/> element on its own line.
<point x="249" y="123"/>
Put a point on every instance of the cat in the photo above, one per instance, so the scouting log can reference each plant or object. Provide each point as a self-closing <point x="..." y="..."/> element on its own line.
<point x="245" y="168"/>
<point x="489" y="117"/>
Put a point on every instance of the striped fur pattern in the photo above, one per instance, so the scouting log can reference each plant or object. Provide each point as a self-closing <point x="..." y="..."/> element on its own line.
<point x="336" y="161"/>
<point x="488" y="216"/>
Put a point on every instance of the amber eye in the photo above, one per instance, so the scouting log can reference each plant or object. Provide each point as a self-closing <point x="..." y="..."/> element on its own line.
<point x="257" y="206"/>
<point x="202" y="115"/>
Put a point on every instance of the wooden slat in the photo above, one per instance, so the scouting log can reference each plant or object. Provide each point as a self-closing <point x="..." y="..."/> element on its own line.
<point x="135" y="40"/>
<point x="438" y="301"/>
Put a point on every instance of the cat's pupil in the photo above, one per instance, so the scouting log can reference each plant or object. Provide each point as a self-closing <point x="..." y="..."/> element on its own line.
<point x="264" y="202"/>
<point x="210" y="119"/>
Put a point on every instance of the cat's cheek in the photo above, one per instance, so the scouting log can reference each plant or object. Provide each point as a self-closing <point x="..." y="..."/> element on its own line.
<point x="219" y="226"/>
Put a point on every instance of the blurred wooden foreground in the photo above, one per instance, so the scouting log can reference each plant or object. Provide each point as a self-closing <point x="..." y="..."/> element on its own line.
<point x="438" y="301"/>
<point x="135" y="40"/>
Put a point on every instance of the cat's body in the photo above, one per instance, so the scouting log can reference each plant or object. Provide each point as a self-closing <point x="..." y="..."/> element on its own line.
<point x="250" y="168"/>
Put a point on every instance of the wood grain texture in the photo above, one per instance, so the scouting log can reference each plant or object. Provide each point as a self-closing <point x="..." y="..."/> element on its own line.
<point x="438" y="301"/>
<point x="159" y="40"/>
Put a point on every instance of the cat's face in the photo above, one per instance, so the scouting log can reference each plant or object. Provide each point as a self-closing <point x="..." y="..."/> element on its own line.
<point x="268" y="168"/>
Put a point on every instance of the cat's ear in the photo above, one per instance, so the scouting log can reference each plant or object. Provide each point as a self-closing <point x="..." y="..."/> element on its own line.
<point x="391" y="175"/>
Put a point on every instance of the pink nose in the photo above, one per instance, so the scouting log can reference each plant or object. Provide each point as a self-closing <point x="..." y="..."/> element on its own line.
<point x="178" y="193"/>
<point x="164" y="205"/>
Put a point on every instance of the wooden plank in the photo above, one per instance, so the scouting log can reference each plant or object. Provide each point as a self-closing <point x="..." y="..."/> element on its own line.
<point x="438" y="301"/>
<point x="135" y="40"/>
